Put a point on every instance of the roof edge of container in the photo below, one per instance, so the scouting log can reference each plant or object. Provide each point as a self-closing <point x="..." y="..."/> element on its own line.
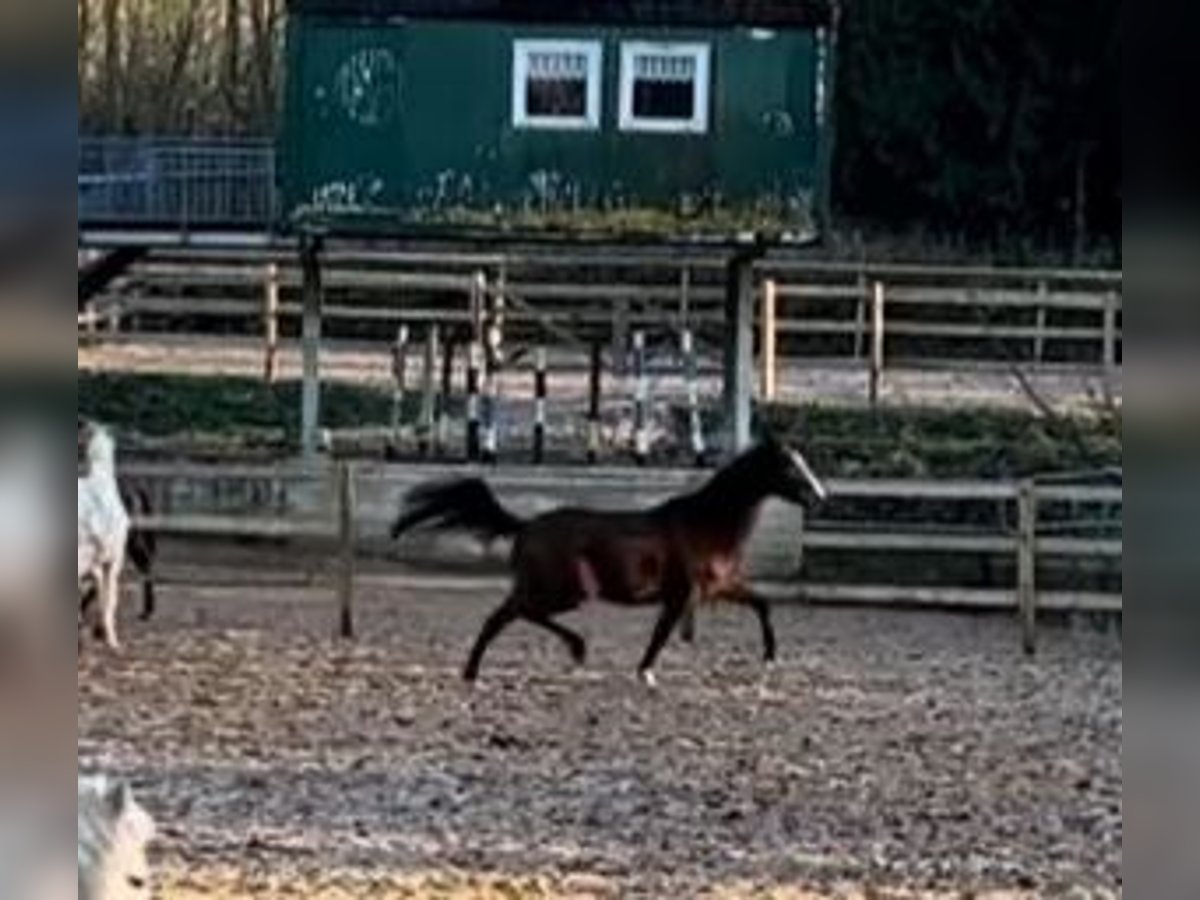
<point x="684" y="13"/>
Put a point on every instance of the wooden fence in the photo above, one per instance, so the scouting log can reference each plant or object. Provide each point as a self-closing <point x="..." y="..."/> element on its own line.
<point x="875" y="317"/>
<point x="909" y="317"/>
<point x="347" y="507"/>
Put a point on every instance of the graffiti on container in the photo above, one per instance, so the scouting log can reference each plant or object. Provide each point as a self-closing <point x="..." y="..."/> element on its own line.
<point x="778" y="123"/>
<point x="551" y="191"/>
<point x="357" y="193"/>
<point x="368" y="87"/>
<point x="450" y="189"/>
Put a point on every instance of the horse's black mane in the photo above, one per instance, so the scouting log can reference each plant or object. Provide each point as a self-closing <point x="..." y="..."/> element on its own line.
<point x="734" y="490"/>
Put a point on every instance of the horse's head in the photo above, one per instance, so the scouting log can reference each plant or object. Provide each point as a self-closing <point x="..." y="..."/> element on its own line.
<point x="113" y="833"/>
<point x="788" y="474"/>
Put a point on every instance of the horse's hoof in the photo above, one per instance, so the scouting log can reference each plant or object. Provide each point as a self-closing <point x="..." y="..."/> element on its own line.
<point x="648" y="678"/>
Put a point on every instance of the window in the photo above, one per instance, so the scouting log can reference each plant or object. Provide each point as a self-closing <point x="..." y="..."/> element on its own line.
<point x="556" y="84"/>
<point x="664" y="87"/>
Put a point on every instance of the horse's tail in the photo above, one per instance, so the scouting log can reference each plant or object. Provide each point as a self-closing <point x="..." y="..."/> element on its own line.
<point x="465" y="504"/>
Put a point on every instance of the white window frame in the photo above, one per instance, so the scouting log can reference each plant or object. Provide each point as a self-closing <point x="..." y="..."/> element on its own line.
<point x="701" y="94"/>
<point x="523" y="49"/>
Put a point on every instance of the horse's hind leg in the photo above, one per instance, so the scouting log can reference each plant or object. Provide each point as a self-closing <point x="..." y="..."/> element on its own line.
<point x="575" y="644"/>
<point x="496" y="623"/>
<point x="743" y="596"/>
<point x="149" y="602"/>
<point x="687" y="625"/>
<point x="141" y="554"/>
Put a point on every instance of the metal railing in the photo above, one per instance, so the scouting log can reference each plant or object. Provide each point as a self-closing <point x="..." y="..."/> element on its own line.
<point x="177" y="183"/>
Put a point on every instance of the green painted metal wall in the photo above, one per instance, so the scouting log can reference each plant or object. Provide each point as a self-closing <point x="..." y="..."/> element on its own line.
<point x="410" y="123"/>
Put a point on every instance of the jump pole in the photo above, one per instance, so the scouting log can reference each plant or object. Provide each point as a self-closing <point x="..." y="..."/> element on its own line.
<point x="595" y="376"/>
<point x="539" y="406"/>
<point x="696" y="425"/>
<point x="474" y="358"/>
<point x="641" y="400"/>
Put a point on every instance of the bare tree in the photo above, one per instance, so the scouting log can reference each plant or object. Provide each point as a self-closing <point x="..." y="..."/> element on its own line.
<point x="182" y="50"/>
<point x="230" y="83"/>
<point x="264" y="23"/>
<point x="112" y="61"/>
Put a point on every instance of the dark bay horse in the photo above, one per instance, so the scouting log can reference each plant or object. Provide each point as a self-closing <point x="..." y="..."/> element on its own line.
<point x="685" y="551"/>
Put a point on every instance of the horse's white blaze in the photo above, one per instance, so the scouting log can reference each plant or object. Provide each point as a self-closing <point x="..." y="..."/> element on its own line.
<point x="805" y="469"/>
<point x="113" y="832"/>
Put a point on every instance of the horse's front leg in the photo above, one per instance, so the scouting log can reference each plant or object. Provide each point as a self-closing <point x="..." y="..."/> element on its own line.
<point x="110" y="596"/>
<point x="744" y="596"/>
<point x="687" y="625"/>
<point x="675" y="599"/>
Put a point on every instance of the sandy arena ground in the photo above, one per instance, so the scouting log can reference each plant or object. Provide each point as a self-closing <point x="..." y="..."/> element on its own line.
<point x="889" y="753"/>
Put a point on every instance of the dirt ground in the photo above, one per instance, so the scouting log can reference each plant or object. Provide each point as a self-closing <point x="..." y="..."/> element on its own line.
<point x="889" y="754"/>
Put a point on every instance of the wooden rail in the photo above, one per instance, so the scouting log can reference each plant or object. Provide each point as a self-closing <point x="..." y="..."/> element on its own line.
<point x="877" y="316"/>
<point x="881" y="317"/>
<point x="347" y="507"/>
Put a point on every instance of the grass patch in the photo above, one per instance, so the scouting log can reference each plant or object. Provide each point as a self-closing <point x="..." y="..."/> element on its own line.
<point x="928" y="443"/>
<point x="160" y="406"/>
<point x="892" y="442"/>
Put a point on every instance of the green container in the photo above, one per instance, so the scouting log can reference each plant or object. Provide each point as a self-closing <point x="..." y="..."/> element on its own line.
<point x="398" y="120"/>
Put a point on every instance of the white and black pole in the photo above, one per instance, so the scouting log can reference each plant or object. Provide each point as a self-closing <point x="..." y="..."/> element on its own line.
<point x="491" y="396"/>
<point x="539" y="406"/>
<point x="474" y="354"/>
<point x="399" y="383"/>
<point x="696" y="424"/>
<point x="641" y="400"/>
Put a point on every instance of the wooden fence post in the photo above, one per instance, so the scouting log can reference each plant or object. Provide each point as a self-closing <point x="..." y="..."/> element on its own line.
<point x="877" y="343"/>
<point x="768" y="339"/>
<point x="860" y="317"/>
<point x="1039" y="338"/>
<point x="310" y="347"/>
<point x="1027" y="564"/>
<point x="1110" y="334"/>
<point x="347" y="535"/>
<point x="271" y="324"/>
